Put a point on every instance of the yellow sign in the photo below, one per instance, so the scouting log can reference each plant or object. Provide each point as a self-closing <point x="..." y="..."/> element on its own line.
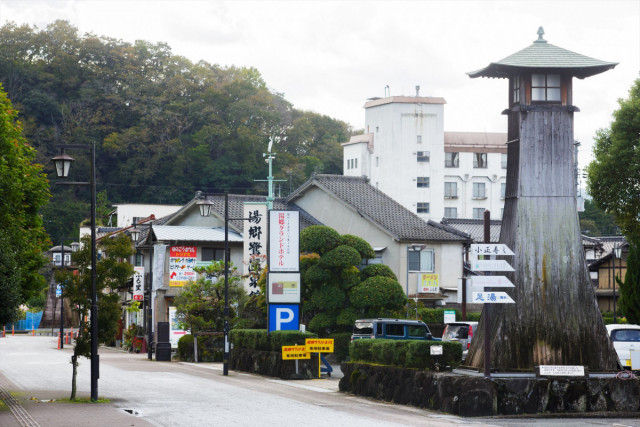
<point x="319" y="345"/>
<point x="291" y="352"/>
<point x="429" y="283"/>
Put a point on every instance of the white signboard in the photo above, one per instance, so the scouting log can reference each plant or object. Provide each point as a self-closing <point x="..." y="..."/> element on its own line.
<point x="449" y="316"/>
<point x="490" y="249"/>
<point x="491" y="265"/>
<point x="58" y="290"/>
<point x="435" y="350"/>
<point x="561" y="371"/>
<point x="491" y="281"/>
<point x="175" y="332"/>
<point x="284" y="241"/>
<point x="138" y="283"/>
<point x="255" y="244"/>
<point x="284" y="287"/>
<point x="492" y="298"/>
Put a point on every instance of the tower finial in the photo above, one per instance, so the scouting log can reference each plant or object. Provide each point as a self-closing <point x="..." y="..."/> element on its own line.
<point x="540" y="34"/>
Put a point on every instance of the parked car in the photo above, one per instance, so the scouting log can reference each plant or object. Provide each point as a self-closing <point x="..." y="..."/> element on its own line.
<point x="625" y="339"/>
<point x="393" y="329"/>
<point x="461" y="332"/>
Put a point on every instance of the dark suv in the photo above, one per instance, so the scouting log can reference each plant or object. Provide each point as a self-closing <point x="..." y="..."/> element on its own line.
<point x="393" y="329"/>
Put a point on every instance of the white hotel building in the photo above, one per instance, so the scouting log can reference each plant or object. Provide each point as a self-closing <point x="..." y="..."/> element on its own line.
<point x="406" y="153"/>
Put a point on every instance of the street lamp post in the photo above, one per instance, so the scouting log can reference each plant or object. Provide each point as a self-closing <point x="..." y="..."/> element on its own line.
<point x="74" y="248"/>
<point x="62" y="163"/>
<point x="135" y="234"/>
<point x="617" y="252"/>
<point x="412" y="248"/>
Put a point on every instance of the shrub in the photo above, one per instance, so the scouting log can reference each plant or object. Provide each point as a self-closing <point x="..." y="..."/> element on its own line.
<point x="341" y="342"/>
<point x="185" y="348"/>
<point x="319" y="239"/>
<point x="340" y="257"/>
<point x="362" y="246"/>
<point x="404" y="353"/>
<point x="280" y="338"/>
<point x="377" y="270"/>
<point x="250" y="339"/>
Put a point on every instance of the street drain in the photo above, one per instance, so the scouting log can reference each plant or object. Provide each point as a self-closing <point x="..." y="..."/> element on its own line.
<point x="131" y="411"/>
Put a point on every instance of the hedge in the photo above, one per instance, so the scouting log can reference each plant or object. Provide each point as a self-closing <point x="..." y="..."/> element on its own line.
<point x="404" y="353"/>
<point x="260" y="339"/>
<point x="210" y="349"/>
<point x="436" y="315"/>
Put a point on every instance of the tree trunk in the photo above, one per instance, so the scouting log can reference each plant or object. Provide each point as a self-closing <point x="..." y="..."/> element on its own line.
<point x="555" y="319"/>
<point x="74" y="363"/>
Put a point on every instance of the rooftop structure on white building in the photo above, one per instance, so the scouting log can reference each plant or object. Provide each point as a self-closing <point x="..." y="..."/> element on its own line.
<point x="406" y="153"/>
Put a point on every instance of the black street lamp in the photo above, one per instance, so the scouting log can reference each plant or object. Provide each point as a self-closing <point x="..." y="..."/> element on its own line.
<point x="63" y="163"/>
<point x="135" y="235"/>
<point x="205" y="210"/>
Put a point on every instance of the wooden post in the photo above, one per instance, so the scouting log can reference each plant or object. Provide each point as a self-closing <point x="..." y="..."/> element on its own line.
<point x="487" y="307"/>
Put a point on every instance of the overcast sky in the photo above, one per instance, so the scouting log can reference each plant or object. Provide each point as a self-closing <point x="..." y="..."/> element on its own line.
<point x="330" y="56"/>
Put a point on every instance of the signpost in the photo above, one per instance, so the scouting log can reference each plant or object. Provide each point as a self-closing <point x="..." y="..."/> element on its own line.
<point x="491" y="281"/>
<point x="490" y="265"/>
<point x="492" y="298"/>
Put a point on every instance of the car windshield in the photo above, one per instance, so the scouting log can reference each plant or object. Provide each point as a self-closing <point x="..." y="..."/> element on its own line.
<point x="363" y="328"/>
<point x="625" y="335"/>
<point x="456" y="332"/>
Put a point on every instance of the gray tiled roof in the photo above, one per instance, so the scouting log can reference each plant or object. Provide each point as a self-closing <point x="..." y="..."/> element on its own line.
<point x="541" y="54"/>
<point x="236" y="203"/>
<point x="475" y="227"/>
<point x="194" y="234"/>
<point x="380" y="209"/>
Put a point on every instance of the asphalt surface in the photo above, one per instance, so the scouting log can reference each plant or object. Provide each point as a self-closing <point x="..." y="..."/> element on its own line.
<point x="35" y="381"/>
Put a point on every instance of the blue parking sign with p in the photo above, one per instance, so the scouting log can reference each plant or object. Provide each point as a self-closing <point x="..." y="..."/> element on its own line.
<point x="284" y="317"/>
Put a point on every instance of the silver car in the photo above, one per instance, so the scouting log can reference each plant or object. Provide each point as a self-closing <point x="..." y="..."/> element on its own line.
<point x="625" y="339"/>
<point x="461" y="332"/>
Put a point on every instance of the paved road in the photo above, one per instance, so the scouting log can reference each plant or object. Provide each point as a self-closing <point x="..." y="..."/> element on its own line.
<point x="146" y="393"/>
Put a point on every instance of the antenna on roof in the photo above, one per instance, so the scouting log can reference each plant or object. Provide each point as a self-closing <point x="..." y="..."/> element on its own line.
<point x="417" y="91"/>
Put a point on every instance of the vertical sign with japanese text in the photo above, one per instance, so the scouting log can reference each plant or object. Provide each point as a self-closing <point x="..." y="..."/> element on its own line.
<point x="255" y="244"/>
<point x="138" y="283"/>
<point x="182" y="259"/>
<point x="429" y="283"/>
<point x="284" y="241"/>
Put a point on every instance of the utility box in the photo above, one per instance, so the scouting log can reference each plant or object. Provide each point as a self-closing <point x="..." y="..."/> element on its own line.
<point x="163" y="352"/>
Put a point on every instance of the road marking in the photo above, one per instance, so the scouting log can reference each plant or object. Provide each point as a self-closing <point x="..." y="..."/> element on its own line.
<point x="306" y="387"/>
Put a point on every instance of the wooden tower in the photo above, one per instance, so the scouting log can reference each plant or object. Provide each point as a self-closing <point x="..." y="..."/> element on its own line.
<point x="555" y="320"/>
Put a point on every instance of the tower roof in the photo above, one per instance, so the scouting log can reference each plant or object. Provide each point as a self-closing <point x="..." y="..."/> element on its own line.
<point x="541" y="54"/>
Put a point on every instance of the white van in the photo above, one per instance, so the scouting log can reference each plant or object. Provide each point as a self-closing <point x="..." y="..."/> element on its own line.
<point x="625" y="339"/>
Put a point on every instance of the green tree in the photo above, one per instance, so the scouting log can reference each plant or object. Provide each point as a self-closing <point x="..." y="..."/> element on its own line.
<point x="630" y="288"/>
<point x="613" y="177"/>
<point x="24" y="189"/>
<point x="596" y="222"/>
<point x="111" y="274"/>
<point x="200" y="304"/>
<point x="335" y="291"/>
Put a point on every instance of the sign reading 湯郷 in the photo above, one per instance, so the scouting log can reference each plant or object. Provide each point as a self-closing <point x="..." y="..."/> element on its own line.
<point x="291" y="352"/>
<point x="182" y="259"/>
<point x="319" y="345"/>
<point x="255" y="244"/>
<point x="284" y="241"/>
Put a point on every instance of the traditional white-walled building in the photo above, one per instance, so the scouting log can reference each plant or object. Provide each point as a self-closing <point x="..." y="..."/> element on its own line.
<point x="406" y="153"/>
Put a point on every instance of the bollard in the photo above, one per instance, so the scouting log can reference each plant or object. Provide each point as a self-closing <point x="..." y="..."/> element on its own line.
<point x="66" y="337"/>
<point x="12" y="330"/>
<point x="58" y="340"/>
<point x="4" y="331"/>
<point x="33" y="331"/>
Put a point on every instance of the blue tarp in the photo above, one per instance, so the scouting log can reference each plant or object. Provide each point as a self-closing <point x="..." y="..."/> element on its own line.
<point x="31" y="322"/>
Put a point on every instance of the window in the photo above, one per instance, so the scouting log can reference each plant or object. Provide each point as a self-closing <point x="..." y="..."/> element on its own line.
<point x="479" y="190"/>
<point x="503" y="160"/>
<point x="377" y="161"/>
<point x="451" y="190"/>
<point x="450" y="212"/>
<point x="516" y="90"/>
<point x="479" y="160"/>
<point x="423" y="207"/>
<point x="503" y="190"/>
<point x="212" y="254"/>
<point x="417" y="331"/>
<point x="421" y="260"/>
<point x="377" y="129"/>
<point x="419" y="139"/>
<point x="139" y="259"/>
<point x="451" y="160"/>
<point x="545" y="87"/>
<point x="355" y="163"/>
<point x="423" y="156"/>
<point x="423" y="182"/>
<point x="478" y="213"/>
<point x="57" y="259"/>
<point x="395" y="330"/>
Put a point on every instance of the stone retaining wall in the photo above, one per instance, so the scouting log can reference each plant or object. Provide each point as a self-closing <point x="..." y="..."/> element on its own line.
<point x="270" y="363"/>
<point x="478" y="396"/>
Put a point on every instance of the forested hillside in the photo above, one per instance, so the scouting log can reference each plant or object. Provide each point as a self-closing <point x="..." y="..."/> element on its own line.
<point x="163" y="126"/>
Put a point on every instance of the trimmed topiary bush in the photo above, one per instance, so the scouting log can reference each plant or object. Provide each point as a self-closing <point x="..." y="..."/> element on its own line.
<point x="377" y="270"/>
<point x="362" y="246"/>
<point x="319" y="239"/>
<point x="404" y="353"/>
